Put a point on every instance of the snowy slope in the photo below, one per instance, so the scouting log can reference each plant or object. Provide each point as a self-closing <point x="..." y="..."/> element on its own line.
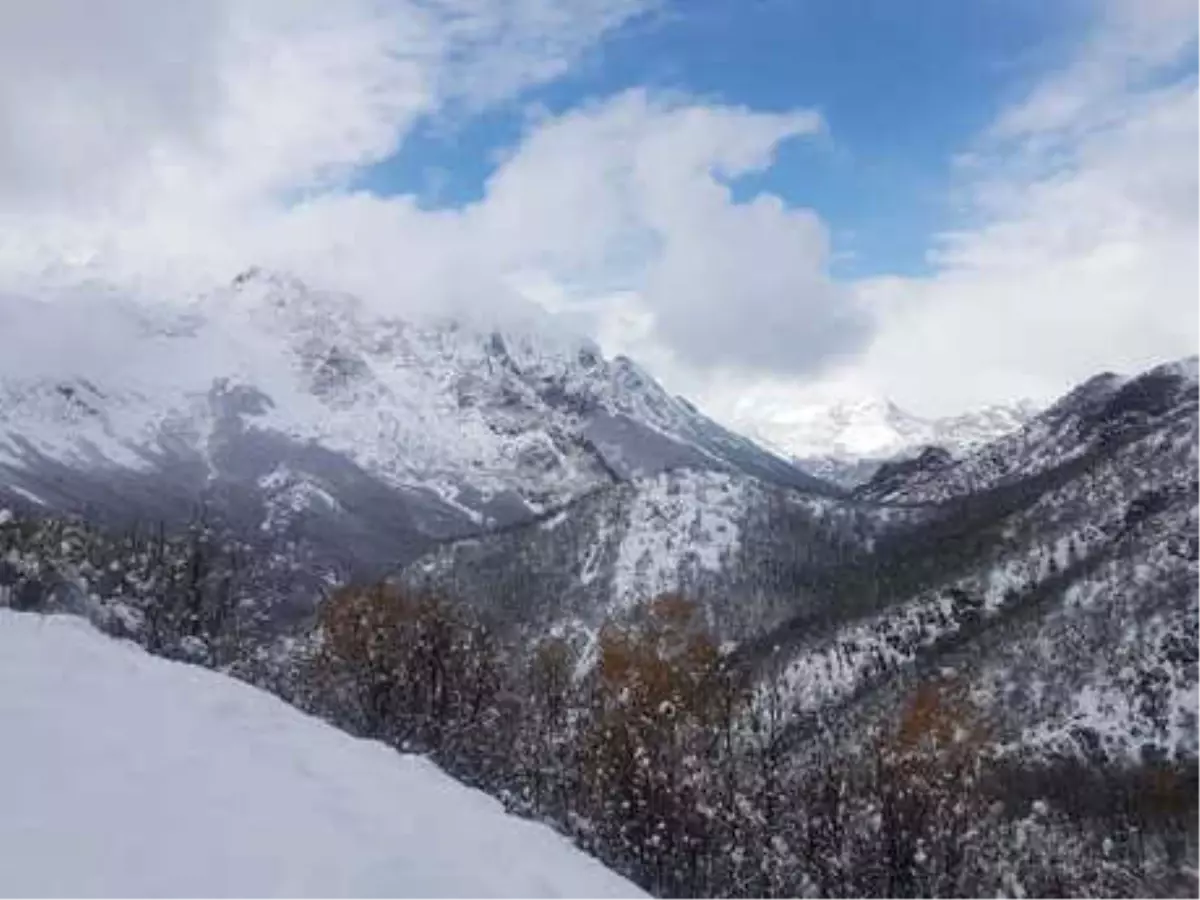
<point x="125" y="775"/>
<point x="1055" y="575"/>
<point x="281" y="402"/>
<point x="1077" y="623"/>
<point x="1104" y="410"/>
<point x="845" y="439"/>
<point x="737" y="544"/>
<point x="1055" y="571"/>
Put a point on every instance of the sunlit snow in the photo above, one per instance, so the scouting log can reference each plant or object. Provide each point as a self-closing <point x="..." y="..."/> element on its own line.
<point x="122" y="774"/>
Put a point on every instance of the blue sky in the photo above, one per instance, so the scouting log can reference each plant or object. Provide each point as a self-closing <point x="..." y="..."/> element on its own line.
<point x="903" y="88"/>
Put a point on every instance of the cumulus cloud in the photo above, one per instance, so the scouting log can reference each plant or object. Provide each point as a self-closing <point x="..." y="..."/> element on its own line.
<point x="128" y="185"/>
<point x="83" y="89"/>
<point x="633" y="195"/>
<point x="283" y="101"/>
<point x="619" y="219"/>
<point x="1084" y="253"/>
<point x="144" y="103"/>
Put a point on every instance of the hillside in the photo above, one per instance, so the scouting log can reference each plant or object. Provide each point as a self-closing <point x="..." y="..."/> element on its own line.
<point x="1054" y="569"/>
<point x="1058" y="578"/>
<point x="127" y="775"/>
<point x="740" y="546"/>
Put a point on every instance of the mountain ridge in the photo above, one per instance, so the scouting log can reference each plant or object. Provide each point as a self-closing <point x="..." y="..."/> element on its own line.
<point x="288" y="409"/>
<point x="846" y="439"/>
<point x="1041" y="589"/>
<point x="915" y="562"/>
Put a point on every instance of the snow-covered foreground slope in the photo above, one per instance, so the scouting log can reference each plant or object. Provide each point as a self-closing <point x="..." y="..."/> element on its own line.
<point x="122" y="774"/>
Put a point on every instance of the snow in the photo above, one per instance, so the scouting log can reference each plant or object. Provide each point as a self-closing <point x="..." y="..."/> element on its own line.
<point x="850" y="428"/>
<point x="679" y="520"/>
<point x="456" y="408"/>
<point x="830" y="672"/>
<point x="1110" y="704"/>
<point x="589" y="571"/>
<point x="24" y="494"/>
<point x="1055" y="437"/>
<point x="125" y="774"/>
<point x="289" y="494"/>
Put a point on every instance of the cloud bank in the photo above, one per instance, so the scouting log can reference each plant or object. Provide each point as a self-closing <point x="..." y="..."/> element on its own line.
<point x="166" y="147"/>
<point x="281" y="104"/>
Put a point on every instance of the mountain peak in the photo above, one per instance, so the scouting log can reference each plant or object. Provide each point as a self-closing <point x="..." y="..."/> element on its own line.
<point x="862" y="428"/>
<point x="454" y="425"/>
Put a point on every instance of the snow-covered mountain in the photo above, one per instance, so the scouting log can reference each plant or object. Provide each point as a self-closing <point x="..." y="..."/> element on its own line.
<point x="846" y="439"/>
<point x="125" y="775"/>
<point x="1103" y="412"/>
<point x="1049" y="568"/>
<point x="1044" y="586"/>
<point x="736" y="543"/>
<point x="521" y="472"/>
<point x="1057" y="576"/>
<point x="300" y="412"/>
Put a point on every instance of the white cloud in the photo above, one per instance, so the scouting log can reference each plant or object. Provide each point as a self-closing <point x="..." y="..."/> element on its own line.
<point x="174" y="144"/>
<point x="1129" y="44"/>
<point x="157" y="139"/>
<point x="632" y="194"/>
<point x="628" y="193"/>
<point x="617" y="217"/>
<point x="1086" y="253"/>
<point x="1082" y="251"/>
<point x="495" y="48"/>
<point x="82" y="90"/>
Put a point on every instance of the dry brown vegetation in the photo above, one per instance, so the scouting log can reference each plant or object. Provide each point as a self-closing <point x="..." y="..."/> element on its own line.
<point x="656" y="755"/>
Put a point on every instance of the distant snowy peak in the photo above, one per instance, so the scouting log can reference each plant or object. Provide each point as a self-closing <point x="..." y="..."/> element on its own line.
<point x="974" y="429"/>
<point x="878" y="429"/>
<point x="845" y="439"/>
